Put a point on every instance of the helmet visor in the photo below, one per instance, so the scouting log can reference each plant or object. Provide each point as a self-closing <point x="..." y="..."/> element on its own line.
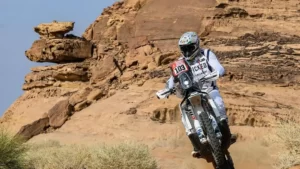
<point x="188" y="50"/>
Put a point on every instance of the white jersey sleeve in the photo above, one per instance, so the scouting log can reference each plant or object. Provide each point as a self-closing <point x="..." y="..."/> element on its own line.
<point x="214" y="62"/>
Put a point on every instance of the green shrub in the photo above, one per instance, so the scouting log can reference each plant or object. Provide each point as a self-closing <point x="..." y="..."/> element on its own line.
<point x="12" y="151"/>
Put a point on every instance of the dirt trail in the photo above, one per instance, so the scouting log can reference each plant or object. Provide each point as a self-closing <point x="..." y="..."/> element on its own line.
<point x="246" y="155"/>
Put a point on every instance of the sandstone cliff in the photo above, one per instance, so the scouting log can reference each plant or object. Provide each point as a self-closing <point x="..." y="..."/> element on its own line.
<point x="103" y="83"/>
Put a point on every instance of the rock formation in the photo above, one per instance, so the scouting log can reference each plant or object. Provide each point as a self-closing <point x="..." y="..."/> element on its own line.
<point x="59" y="50"/>
<point x="114" y="69"/>
<point x="54" y="30"/>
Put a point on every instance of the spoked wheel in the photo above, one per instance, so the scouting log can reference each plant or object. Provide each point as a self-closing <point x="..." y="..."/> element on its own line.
<point x="215" y="145"/>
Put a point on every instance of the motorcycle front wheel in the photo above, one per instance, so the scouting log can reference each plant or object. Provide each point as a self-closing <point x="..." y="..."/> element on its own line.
<point x="213" y="141"/>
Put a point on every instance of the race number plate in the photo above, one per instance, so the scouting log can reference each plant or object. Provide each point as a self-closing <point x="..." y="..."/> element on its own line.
<point x="179" y="67"/>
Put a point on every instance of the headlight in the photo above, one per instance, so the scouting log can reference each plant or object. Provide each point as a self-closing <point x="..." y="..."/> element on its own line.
<point x="185" y="81"/>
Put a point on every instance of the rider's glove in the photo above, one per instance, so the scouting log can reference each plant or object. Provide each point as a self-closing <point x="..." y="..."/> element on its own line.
<point x="162" y="94"/>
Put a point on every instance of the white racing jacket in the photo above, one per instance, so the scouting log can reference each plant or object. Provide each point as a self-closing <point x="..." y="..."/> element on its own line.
<point x="201" y="66"/>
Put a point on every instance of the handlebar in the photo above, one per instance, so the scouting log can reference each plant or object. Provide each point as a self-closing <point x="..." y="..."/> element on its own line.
<point x="171" y="91"/>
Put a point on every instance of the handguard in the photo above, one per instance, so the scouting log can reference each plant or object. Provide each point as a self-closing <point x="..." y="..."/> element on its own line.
<point x="212" y="76"/>
<point x="164" y="93"/>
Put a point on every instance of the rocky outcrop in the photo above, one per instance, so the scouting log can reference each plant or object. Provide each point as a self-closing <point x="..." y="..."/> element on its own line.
<point x="107" y="26"/>
<point x="61" y="111"/>
<point x="59" y="50"/>
<point x="234" y="12"/>
<point x="59" y="114"/>
<point x="54" y="29"/>
<point x="80" y="96"/>
<point x="165" y="115"/>
<point x="95" y="94"/>
<point x="135" y="21"/>
<point x="33" y="129"/>
<point x="101" y="69"/>
<point x="56" y="75"/>
<point x="247" y="59"/>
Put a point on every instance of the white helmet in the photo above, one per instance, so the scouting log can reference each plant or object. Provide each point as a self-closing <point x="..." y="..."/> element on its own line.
<point x="189" y="45"/>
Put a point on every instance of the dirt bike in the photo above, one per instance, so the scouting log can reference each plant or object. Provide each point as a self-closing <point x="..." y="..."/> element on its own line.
<point x="203" y="114"/>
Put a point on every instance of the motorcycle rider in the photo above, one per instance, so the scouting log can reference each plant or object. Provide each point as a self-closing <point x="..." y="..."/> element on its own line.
<point x="202" y="62"/>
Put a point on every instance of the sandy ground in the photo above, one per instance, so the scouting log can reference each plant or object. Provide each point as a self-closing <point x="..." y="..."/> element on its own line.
<point x="104" y="122"/>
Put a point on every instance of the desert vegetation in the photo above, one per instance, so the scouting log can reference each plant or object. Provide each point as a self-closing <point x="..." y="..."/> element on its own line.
<point x="15" y="154"/>
<point x="12" y="151"/>
<point x="287" y="137"/>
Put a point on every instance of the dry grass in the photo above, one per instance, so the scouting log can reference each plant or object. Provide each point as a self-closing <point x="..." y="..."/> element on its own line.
<point x="123" y="156"/>
<point x="14" y="154"/>
<point x="12" y="151"/>
<point x="287" y="135"/>
<point x="50" y="155"/>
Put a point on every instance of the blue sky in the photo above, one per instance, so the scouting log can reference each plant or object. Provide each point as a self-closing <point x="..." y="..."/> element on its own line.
<point x="17" y="19"/>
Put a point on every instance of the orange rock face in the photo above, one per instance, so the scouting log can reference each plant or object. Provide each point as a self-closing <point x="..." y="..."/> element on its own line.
<point x="109" y="76"/>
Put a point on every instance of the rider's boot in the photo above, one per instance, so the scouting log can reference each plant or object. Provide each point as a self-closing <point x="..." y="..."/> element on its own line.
<point x="196" y="144"/>
<point x="228" y="138"/>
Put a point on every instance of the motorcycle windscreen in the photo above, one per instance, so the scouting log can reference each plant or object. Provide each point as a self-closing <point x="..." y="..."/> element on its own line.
<point x="185" y="81"/>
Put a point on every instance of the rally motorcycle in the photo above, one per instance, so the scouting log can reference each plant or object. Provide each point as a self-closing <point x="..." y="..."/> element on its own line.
<point x="203" y="113"/>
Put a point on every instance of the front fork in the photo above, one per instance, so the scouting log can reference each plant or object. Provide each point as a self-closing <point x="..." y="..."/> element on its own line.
<point x="194" y="123"/>
<point x="199" y="127"/>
